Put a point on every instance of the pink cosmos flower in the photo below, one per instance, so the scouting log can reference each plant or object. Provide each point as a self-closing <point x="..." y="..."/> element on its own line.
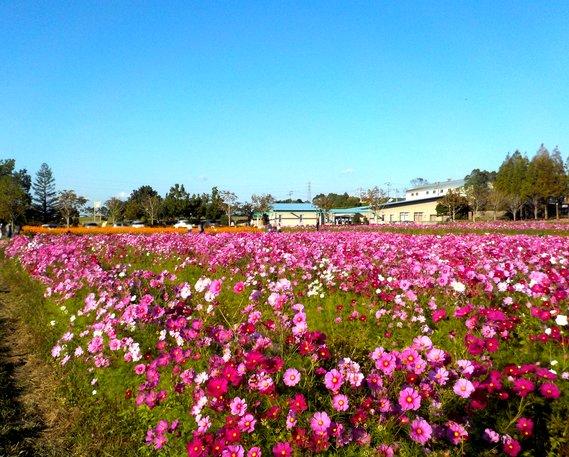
<point x="291" y="420"/>
<point x="491" y="436"/>
<point x="238" y="406"/>
<point x="421" y="431"/>
<point x="340" y="402"/>
<point x="333" y="380"/>
<point x="523" y="387"/>
<point x="254" y="452"/>
<point x="525" y="426"/>
<point x="384" y="450"/>
<point x="247" y="423"/>
<point x="204" y="424"/>
<point x="195" y="448"/>
<point x="233" y="451"/>
<point x="549" y="390"/>
<point x="511" y="447"/>
<point x="409" y="399"/>
<point x="463" y="388"/>
<point x="291" y="377"/>
<point x="386" y="363"/>
<point x="239" y="287"/>
<point x="456" y="433"/>
<point x="440" y="376"/>
<point x="215" y="287"/>
<point x="320" y="422"/>
<point x="282" y="450"/>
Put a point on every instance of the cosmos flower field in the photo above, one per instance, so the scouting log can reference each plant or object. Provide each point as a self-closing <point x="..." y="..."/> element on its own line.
<point x="332" y="343"/>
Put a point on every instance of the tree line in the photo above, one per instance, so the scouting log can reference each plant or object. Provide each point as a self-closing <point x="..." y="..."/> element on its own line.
<point x="25" y="201"/>
<point x="523" y="188"/>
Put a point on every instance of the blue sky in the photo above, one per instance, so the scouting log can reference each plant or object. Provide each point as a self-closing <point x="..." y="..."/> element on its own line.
<point x="268" y="96"/>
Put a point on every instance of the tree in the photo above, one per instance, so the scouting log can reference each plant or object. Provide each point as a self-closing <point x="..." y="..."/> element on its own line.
<point x="496" y="200"/>
<point x="477" y="188"/>
<point x="69" y="204"/>
<point x="262" y="203"/>
<point x="333" y="200"/>
<point x="561" y="186"/>
<point x="45" y="196"/>
<point x="453" y="204"/>
<point x="229" y="199"/>
<point x="176" y="204"/>
<point x="115" y="209"/>
<point x="419" y="182"/>
<point x="375" y="198"/>
<point x="214" y="208"/>
<point x="13" y="199"/>
<point x="545" y="180"/>
<point x="138" y="203"/>
<point x="325" y="203"/>
<point x="510" y="180"/>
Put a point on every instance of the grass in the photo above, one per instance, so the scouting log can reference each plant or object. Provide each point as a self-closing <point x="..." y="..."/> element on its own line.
<point x="68" y="419"/>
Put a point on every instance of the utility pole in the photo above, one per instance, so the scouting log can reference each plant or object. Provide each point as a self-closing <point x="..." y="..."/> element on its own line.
<point x="309" y="192"/>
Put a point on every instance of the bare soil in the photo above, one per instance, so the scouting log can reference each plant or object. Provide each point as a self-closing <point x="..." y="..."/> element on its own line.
<point x="32" y="419"/>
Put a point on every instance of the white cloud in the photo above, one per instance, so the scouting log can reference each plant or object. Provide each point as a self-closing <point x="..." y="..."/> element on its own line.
<point x="347" y="171"/>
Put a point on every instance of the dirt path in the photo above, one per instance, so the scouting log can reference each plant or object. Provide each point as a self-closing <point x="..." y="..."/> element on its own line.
<point x="20" y="425"/>
<point x="29" y="409"/>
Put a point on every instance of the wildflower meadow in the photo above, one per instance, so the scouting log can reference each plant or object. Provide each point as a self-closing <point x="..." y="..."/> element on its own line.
<point x="333" y="342"/>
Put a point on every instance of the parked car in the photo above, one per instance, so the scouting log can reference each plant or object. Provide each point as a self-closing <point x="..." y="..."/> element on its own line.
<point x="137" y="224"/>
<point x="90" y="224"/>
<point x="183" y="223"/>
<point x="50" y="225"/>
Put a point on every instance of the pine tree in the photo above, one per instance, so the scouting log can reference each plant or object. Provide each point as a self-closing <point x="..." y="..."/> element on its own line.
<point x="45" y="198"/>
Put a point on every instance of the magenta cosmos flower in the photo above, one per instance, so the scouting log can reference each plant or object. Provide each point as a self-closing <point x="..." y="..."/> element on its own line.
<point x="333" y="380"/>
<point x="511" y="447"/>
<point x="340" y="402"/>
<point x="421" y="431"/>
<point x="282" y="450"/>
<point x="291" y="377"/>
<point x="233" y="451"/>
<point x="463" y="388"/>
<point x="549" y="390"/>
<point x="254" y="452"/>
<point x="525" y="426"/>
<point x="320" y="422"/>
<point x="409" y="399"/>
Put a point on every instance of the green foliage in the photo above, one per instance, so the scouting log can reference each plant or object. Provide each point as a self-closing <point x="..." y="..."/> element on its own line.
<point x="69" y="205"/>
<point x="45" y="197"/>
<point x="332" y="200"/>
<point x="141" y="203"/>
<point x="13" y="200"/>
<point x="477" y="186"/>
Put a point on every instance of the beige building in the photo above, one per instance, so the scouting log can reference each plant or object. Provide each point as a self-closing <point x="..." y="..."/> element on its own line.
<point x="419" y="205"/>
<point x="291" y="215"/>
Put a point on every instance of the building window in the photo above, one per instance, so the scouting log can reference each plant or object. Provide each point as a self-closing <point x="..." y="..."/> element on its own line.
<point x="418" y="217"/>
<point x="403" y="217"/>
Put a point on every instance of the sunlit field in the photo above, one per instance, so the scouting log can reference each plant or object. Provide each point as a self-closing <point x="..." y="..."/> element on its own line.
<point x="353" y="342"/>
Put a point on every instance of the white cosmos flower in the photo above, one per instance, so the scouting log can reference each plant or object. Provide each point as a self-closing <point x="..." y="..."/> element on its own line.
<point x="561" y="320"/>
